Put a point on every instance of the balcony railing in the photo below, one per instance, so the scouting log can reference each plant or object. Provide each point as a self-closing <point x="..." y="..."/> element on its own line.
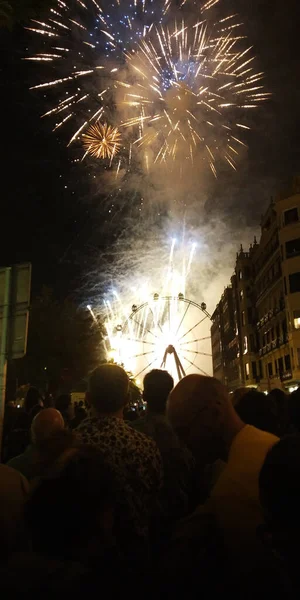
<point x="286" y="375"/>
<point x="270" y="315"/>
<point x="283" y="339"/>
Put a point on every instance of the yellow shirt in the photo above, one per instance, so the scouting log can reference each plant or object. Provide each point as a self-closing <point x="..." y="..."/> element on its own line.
<point x="234" y="499"/>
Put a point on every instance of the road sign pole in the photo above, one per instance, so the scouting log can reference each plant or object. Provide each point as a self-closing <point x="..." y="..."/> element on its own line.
<point x="3" y="347"/>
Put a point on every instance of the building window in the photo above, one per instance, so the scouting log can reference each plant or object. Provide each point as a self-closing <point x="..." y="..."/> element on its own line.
<point x="280" y="365"/>
<point x="260" y="369"/>
<point x="270" y="369"/>
<point x="297" y="319"/>
<point x="290" y="216"/>
<point x="254" y="370"/>
<point x="245" y="345"/>
<point x="252" y="343"/>
<point x="240" y="274"/>
<point x="276" y="366"/>
<point x="243" y="318"/>
<point x="241" y="294"/>
<point x="294" y="280"/>
<point x="298" y="356"/>
<point x="287" y="360"/>
<point x="272" y="334"/>
<point x="247" y="368"/>
<point x="292" y="248"/>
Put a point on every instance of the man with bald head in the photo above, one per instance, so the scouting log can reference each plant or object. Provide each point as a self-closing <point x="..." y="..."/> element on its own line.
<point x="200" y="411"/>
<point x="45" y="427"/>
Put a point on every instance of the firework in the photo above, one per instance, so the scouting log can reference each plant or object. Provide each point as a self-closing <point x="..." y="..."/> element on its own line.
<point x="191" y="88"/>
<point x="102" y="140"/>
<point x="153" y="325"/>
<point x="179" y="89"/>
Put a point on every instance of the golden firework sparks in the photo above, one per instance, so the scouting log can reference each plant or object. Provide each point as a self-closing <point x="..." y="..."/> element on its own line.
<point x="102" y="140"/>
<point x="180" y="88"/>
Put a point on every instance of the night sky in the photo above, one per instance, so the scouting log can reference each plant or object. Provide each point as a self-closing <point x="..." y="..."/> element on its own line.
<point x="50" y="212"/>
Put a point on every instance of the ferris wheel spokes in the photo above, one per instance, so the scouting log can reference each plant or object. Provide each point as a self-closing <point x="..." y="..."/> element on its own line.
<point x="194" y="326"/>
<point x="147" y="366"/>
<point x="208" y="337"/>
<point x="197" y="352"/>
<point x="194" y="365"/>
<point x="163" y="332"/>
<point x="183" y="317"/>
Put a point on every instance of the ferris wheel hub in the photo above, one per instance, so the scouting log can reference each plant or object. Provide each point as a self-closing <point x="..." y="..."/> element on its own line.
<point x="164" y="332"/>
<point x="170" y="349"/>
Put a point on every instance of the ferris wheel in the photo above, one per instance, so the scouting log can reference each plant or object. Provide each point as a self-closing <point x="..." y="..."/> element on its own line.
<point x="168" y="333"/>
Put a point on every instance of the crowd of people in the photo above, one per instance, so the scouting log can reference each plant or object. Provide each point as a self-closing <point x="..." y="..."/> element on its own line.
<point x="199" y="494"/>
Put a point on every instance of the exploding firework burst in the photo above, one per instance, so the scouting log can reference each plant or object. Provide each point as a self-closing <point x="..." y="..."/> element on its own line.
<point x="102" y="140"/>
<point x="192" y="86"/>
<point x="177" y="90"/>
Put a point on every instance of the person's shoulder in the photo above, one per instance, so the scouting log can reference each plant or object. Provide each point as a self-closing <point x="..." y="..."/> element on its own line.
<point x="8" y="472"/>
<point x="138" y="435"/>
<point x="146" y="444"/>
<point x="253" y="434"/>
<point x="10" y="477"/>
<point x="16" y="462"/>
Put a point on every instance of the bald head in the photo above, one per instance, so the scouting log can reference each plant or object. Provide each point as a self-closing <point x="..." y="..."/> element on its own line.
<point x="45" y="425"/>
<point x="200" y="411"/>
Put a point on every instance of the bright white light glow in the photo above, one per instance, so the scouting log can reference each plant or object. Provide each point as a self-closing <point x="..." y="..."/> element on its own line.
<point x="141" y="334"/>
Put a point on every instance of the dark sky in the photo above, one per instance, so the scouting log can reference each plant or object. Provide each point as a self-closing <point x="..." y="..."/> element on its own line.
<point x="47" y="209"/>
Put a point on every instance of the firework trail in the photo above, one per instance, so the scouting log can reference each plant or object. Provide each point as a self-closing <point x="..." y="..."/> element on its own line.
<point x="176" y="86"/>
<point x="154" y="315"/>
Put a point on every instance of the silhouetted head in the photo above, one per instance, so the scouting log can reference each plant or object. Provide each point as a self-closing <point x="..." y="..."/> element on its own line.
<point x="65" y="406"/>
<point x="157" y="386"/>
<point x="108" y="389"/>
<point x="45" y="425"/>
<point x="202" y="415"/>
<point x="258" y="409"/>
<point x="238" y="394"/>
<point x="278" y="396"/>
<point x="33" y="398"/>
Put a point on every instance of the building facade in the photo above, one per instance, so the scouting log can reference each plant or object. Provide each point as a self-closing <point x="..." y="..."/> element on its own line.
<point x="257" y="320"/>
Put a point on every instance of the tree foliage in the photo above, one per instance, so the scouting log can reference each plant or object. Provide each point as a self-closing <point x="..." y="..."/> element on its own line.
<point x="63" y="343"/>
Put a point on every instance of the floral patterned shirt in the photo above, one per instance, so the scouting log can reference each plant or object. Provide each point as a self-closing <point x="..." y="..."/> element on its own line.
<point x="136" y="462"/>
